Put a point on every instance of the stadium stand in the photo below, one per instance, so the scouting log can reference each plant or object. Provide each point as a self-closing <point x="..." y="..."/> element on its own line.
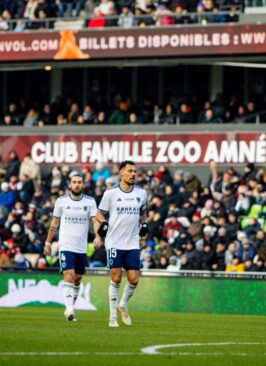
<point x="220" y="226"/>
<point x="178" y="110"/>
<point x="18" y="15"/>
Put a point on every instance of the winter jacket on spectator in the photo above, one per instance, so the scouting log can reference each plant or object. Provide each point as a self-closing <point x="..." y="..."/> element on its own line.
<point x="29" y="168"/>
<point x="12" y="165"/>
<point x="7" y="199"/>
<point x="205" y="258"/>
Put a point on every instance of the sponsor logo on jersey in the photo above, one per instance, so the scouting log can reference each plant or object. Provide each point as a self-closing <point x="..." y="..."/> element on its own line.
<point x="68" y="208"/>
<point x="127" y="210"/>
<point x="119" y="199"/>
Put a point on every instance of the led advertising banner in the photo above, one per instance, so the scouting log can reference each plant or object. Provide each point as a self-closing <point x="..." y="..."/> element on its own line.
<point x="134" y="43"/>
<point x="158" y="148"/>
<point x="188" y="295"/>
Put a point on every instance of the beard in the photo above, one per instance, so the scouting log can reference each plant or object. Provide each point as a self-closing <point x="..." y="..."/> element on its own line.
<point x="76" y="193"/>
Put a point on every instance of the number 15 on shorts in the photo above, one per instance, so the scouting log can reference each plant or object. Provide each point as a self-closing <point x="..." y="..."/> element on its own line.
<point x="111" y="258"/>
<point x="112" y="253"/>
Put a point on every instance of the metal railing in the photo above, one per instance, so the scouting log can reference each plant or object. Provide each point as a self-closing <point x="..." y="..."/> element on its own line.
<point x="257" y="117"/>
<point x="156" y="273"/>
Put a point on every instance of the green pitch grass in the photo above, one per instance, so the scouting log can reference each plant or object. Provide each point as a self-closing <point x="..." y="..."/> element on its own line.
<point x="41" y="336"/>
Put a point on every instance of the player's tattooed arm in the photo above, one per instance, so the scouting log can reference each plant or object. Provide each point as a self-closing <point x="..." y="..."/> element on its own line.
<point x="51" y="232"/>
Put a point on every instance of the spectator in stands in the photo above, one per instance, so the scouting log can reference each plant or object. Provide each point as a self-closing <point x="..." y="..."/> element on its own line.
<point x="164" y="251"/>
<point x="4" y="18"/>
<point x="219" y="257"/>
<point x="169" y="116"/>
<point x="119" y="116"/>
<point x="101" y="118"/>
<point x="7" y="197"/>
<point x="88" y="114"/>
<point x="230" y="253"/>
<point x="26" y="188"/>
<point x="209" y="117"/>
<point x="246" y="251"/>
<point x="30" y="169"/>
<point x="185" y="115"/>
<point x="73" y="114"/>
<point x="235" y="266"/>
<point x="61" y="120"/>
<point x="31" y="118"/>
<point x="126" y="18"/>
<point x="101" y="173"/>
<point x="64" y="6"/>
<point x="7" y="120"/>
<point x="251" y="113"/>
<point x="157" y="114"/>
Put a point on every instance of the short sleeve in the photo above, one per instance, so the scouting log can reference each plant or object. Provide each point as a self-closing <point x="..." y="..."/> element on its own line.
<point x="105" y="204"/>
<point x="93" y="208"/>
<point x="57" y="209"/>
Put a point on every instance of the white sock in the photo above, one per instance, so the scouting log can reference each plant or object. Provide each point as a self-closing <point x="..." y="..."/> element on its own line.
<point x="68" y="291"/>
<point x="128" y="292"/>
<point x="76" y="293"/>
<point x="113" y="298"/>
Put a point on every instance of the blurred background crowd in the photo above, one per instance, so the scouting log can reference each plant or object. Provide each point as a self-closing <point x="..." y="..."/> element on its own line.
<point x="218" y="226"/>
<point x="185" y="109"/>
<point x="33" y="14"/>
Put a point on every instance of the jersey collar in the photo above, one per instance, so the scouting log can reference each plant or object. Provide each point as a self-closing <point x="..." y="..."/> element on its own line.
<point x="126" y="191"/>
<point x="76" y="200"/>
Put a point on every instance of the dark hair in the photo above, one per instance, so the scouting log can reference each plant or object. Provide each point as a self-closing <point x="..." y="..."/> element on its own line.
<point x="77" y="175"/>
<point x="126" y="162"/>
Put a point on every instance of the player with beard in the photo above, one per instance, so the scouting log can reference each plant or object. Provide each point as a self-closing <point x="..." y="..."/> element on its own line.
<point x="125" y="204"/>
<point x="73" y="212"/>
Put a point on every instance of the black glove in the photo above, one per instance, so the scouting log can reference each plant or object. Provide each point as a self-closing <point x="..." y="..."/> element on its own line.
<point x="102" y="231"/>
<point x="144" y="230"/>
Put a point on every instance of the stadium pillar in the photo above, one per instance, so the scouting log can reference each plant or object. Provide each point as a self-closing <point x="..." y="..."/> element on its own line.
<point x="160" y="82"/>
<point x="4" y="90"/>
<point x="216" y="80"/>
<point x="109" y="86"/>
<point x="246" y="85"/>
<point x="85" y="86"/>
<point x="134" y="84"/>
<point x="56" y="83"/>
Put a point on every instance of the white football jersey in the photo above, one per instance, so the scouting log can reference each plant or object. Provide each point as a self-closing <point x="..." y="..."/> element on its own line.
<point x="124" y="215"/>
<point x="74" y="222"/>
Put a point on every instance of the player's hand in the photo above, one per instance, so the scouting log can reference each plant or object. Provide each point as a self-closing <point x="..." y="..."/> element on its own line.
<point x="47" y="249"/>
<point x="97" y="242"/>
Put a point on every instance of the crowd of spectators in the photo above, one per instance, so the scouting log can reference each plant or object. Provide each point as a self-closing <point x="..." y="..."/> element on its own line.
<point x="33" y="14"/>
<point x="183" y="110"/>
<point x="220" y="226"/>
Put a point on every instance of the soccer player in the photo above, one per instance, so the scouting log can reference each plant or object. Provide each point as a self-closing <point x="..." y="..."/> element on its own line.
<point x="73" y="212"/>
<point x="125" y="203"/>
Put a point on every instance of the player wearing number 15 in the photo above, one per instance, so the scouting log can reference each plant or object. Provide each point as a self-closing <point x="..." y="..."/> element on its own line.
<point x="126" y="205"/>
<point x="73" y="213"/>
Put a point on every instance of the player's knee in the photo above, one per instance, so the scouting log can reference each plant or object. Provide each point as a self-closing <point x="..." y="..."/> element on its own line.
<point x="77" y="281"/>
<point x="69" y="277"/>
<point x="134" y="281"/>
<point x="116" y="280"/>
